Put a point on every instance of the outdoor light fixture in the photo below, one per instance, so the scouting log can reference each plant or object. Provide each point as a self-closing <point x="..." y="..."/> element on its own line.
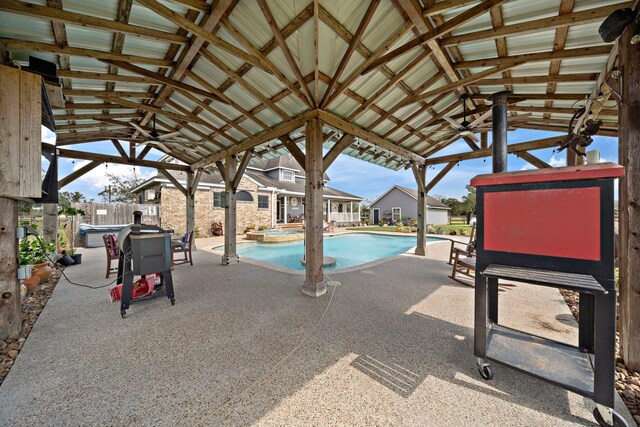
<point x="614" y="25"/>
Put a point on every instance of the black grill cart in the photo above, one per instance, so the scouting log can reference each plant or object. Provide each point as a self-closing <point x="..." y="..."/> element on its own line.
<point x="550" y="227"/>
<point x="144" y="249"/>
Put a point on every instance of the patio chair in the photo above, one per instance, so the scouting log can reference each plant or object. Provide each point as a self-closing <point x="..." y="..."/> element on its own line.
<point x="185" y="249"/>
<point x="463" y="263"/>
<point x="466" y="248"/>
<point x="113" y="252"/>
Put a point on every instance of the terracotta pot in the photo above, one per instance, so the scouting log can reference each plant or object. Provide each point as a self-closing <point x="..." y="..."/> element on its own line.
<point x="32" y="282"/>
<point x="43" y="271"/>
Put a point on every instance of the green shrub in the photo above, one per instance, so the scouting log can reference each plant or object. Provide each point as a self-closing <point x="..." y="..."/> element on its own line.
<point x="263" y="227"/>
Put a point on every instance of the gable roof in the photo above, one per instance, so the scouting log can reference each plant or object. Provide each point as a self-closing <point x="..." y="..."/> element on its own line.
<point x="432" y="202"/>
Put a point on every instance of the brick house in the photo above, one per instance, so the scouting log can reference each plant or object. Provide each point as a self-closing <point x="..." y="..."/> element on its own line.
<point x="271" y="192"/>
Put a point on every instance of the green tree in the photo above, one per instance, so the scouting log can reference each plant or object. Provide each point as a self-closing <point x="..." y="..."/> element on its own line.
<point x="469" y="202"/>
<point x="65" y="198"/>
<point x="119" y="188"/>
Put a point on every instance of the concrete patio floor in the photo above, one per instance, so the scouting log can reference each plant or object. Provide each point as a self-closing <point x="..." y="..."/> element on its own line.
<point x="392" y="345"/>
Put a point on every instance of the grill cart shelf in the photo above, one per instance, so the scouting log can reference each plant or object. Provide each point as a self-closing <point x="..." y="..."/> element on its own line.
<point x="554" y="228"/>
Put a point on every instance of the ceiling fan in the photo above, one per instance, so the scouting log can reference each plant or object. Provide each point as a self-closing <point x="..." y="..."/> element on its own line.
<point x="469" y="129"/>
<point x="154" y="138"/>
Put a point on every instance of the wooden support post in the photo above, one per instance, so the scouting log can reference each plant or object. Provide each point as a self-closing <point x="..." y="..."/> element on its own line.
<point x="629" y="134"/>
<point x="420" y="174"/>
<point x="10" y="320"/>
<point x="50" y="222"/>
<point x="191" y="202"/>
<point x="314" y="284"/>
<point x="230" y="255"/>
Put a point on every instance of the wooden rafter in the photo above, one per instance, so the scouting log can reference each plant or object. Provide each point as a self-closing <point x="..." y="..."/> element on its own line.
<point x="76" y="51"/>
<point x="431" y="35"/>
<point x="512" y="148"/>
<point x="286" y="51"/>
<point x="78" y="173"/>
<point x="364" y="22"/>
<point x="57" y="15"/>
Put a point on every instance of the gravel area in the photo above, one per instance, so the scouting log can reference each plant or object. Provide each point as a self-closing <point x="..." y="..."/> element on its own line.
<point x="627" y="382"/>
<point x="31" y="308"/>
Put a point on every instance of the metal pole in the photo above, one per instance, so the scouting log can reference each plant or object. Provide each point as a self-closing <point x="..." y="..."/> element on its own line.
<point x="499" y="131"/>
<point x="499" y="150"/>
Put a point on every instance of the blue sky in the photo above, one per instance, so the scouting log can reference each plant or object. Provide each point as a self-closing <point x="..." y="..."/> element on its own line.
<point x="353" y="175"/>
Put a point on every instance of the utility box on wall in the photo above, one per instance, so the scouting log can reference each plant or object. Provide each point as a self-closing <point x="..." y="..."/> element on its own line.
<point x="20" y="134"/>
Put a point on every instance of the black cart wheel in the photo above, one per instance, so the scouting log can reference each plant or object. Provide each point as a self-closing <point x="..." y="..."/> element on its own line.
<point x="486" y="372"/>
<point x="618" y="421"/>
<point x="173" y="301"/>
<point x="123" y="313"/>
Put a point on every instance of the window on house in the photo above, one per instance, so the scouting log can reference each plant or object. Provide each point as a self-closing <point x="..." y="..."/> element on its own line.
<point x="244" y="196"/>
<point x="340" y="208"/>
<point x="263" y="202"/>
<point x="217" y="199"/>
<point x="288" y="175"/>
<point x="396" y="214"/>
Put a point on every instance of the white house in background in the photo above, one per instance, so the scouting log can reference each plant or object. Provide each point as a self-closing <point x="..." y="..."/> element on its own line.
<point x="400" y="202"/>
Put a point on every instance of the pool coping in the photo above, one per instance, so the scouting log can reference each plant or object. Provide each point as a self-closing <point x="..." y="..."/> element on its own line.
<point x="275" y="267"/>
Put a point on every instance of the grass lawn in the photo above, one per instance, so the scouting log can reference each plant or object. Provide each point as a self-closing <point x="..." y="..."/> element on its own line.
<point x="447" y="228"/>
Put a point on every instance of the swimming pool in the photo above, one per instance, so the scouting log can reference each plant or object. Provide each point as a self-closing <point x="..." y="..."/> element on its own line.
<point x="349" y="250"/>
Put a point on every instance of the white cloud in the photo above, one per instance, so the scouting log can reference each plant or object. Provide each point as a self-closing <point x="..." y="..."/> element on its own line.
<point x="557" y="161"/>
<point x="527" y="167"/>
<point x="48" y="137"/>
<point x="96" y="178"/>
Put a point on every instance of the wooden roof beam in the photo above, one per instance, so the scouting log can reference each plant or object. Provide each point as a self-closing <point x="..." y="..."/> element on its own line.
<point x="165" y="80"/>
<point x="352" y="129"/>
<point x="533" y="26"/>
<point x="273" y="133"/>
<point x="428" y="34"/>
<point x="512" y="148"/>
<point x="63" y="16"/>
<point x="76" y="51"/>
<point x="355" y="40"/>
<point x="515" y="60"/>
<point x="285" y="50"/>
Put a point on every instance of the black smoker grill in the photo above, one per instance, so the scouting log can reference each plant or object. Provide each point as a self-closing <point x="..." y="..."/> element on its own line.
<point x="144" y="249"/>
<point x="551" y="227"/>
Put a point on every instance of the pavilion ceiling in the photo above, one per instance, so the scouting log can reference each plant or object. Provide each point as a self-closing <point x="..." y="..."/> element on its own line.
<point x="239" y="74"/>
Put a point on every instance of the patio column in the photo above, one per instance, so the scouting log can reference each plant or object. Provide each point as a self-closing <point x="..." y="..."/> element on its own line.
<point x="50" y="221"/>
<point x="191" y="203"/>
<point x="329" y="210"/>
<point x="10" y="320"/>
<point x="629" y="210"/>
<point x="420" y="174"/>
<point x="314" y="284"/>
<point x="230" y="256"/>
<point x="359" y="219"/>
<point x="285" y="200"/>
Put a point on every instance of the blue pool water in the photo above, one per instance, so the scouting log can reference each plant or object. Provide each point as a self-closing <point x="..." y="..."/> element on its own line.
<point x="349" y="250"/>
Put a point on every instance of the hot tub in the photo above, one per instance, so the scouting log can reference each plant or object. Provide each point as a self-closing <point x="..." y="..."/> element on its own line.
<point x="276" y="236"/>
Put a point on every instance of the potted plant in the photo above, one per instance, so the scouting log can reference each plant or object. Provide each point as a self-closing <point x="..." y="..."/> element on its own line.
<point x="33" y="252"/>
<point x="71" y="238"/>
<point x="216" y="228"/>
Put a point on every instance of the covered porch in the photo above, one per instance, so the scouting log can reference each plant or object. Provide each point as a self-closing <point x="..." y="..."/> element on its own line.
<point x="341" y="212"/>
